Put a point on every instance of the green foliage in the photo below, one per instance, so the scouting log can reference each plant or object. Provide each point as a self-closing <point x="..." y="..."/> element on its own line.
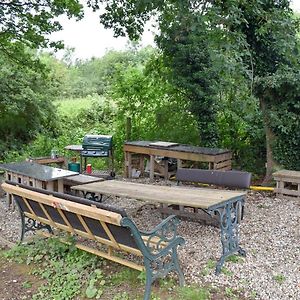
<point x="157" y="111"/>
<point x="194" y="293"/>
<point x="186" y="52"/>
<point x="66" y="270"/>
<point x="28" y="24"/>
<point x="95" y="285"/>
<point x="71" y="107"/>
<point x="133" y="276"/>
<point x="280" y="278"/>
<point x="281" y="94"/>
<point x="95" y="76"/>
<point x="25" y="106"/>
<point x="122" y="296"/>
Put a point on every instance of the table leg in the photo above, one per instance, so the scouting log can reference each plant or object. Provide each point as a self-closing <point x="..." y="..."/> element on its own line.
<point x="128" y="166"/>
<point x="228" y="214"/>
<point x="166" y="168"/>
<point x="151" y="167"/>
<point x="179" y="163"/>
<point x="142" y="165"/>
<point x="60" y="185"/>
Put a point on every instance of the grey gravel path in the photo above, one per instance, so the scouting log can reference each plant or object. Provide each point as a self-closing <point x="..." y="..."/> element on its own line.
<point x="270" y="233"/>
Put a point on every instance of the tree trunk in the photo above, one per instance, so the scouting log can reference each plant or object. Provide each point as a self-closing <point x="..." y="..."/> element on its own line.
<point x="271" y="163"/>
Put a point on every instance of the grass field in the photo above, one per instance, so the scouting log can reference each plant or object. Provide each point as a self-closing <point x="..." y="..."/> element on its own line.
<point x="72" y="106"/>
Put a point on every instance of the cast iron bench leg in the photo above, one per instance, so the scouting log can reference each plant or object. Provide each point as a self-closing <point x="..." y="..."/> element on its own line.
<point x="228" y="218"/>
<point x="29" y="224"/>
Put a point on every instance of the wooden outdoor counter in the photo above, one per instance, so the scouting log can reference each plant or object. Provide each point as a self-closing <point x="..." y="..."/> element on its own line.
<point x="218" y="159"/>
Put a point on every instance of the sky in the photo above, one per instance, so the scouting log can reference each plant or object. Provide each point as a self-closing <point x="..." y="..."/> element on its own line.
<point x="91" y="39"/>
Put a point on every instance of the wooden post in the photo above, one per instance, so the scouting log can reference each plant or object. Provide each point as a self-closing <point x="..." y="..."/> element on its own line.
<point x="179" y="163"/>
<point x="152" y="167"/>
<point x="166" y="169"/>
<point x="50" y="186"/>
<point x="128" y="166"/>
<point x="142" y="165"/>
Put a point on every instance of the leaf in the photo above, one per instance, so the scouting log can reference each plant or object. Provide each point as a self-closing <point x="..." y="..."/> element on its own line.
<point x="91" y="292"/>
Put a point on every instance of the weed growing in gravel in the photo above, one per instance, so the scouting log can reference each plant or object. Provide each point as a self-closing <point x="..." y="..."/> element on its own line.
<point x="27" y="285"/>
<point x="133" y="276"/>
<point x="261" y="206"/>
<point x="121" y="296"/>
<point x="235" y="259"/>
<point x="194" y="293"/>
<point x="253" y="294"/>
<point x="279" y="278"/>
<point x="229" y="292"/>
<point x="225" y="271"/>
<point x="209" y="266"/>
<point x="65" y="269"/>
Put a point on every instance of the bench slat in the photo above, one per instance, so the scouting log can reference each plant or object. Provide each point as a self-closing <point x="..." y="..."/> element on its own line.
<point x="92" y="212"/>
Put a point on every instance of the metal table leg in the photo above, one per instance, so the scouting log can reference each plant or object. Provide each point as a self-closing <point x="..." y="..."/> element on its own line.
<point x="229" y="213"/>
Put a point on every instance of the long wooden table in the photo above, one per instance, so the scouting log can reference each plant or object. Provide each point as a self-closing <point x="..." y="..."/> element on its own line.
<point x="218" y="159"/>
<point x="223" y="203"/>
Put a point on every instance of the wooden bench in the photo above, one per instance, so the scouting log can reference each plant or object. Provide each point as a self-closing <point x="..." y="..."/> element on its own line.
<point x="59" y="160"/>
<point x="232" y="179"/>
<point x="111" y="230"/>
<point x="287" y="184"/>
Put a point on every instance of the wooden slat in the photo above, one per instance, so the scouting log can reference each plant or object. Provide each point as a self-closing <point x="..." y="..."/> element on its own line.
<point x="169" y="153"/>
<point x="287" y="192"/>
<point x="222" y="157"/>
<point x="287" y="179"/>
<point x="94" y="213"/>
<point x="109" y="234"/>
<point x="223" y="164"/>
<point x="196" y="197"/>
<point x="70" y="228"/>
<point x="228" y="168"/>
<point x="52" y="223"/>
<point x="86" y="227"/>
<point x="287" y="174"/>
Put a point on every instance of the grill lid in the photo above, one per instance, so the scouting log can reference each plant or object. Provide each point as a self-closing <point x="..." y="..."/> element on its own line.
<point x="97" y="142"/>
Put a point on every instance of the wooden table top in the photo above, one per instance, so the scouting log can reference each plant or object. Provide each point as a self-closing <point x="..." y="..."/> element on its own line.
<point x="287" y="173"/>
<point x="188" y="196"/>
<point x="37" y="171"/>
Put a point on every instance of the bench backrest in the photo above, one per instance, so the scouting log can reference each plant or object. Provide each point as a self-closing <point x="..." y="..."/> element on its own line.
<point x="234" y="179"/>
<point x="73" y="214"/>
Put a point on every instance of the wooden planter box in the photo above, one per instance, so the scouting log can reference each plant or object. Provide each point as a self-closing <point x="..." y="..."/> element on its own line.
<point x="287" y="183"/>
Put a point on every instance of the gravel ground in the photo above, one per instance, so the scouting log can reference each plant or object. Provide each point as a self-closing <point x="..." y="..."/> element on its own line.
<point x="270" y="234"/>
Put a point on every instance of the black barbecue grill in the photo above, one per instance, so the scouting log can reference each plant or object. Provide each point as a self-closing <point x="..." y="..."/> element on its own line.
<point x="97" y="146"/>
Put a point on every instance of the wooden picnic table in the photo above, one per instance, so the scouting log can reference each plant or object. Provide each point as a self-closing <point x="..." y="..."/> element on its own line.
<point x="225" y="204"/>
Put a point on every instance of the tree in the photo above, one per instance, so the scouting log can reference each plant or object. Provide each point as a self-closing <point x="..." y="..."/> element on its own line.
<point x="25" y="105"/>
<point x="270" y="31"/>
<point x="262" y="35"/>
<point x="26" y="24"/>
<point x="185" y="49"/>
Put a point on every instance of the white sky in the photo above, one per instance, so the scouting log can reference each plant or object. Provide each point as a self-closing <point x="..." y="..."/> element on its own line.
<point x="89" y="38"/>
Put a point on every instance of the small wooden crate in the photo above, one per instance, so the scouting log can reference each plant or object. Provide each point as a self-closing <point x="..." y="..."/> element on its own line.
<point x="287" y="183"/>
